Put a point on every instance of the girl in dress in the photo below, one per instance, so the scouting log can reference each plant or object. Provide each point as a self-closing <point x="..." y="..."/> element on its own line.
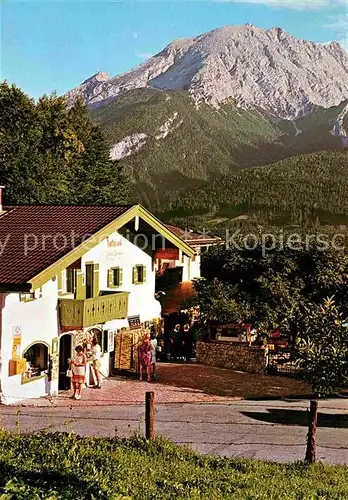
<point x="78" y="368"/>
<point x="144" y="350"/>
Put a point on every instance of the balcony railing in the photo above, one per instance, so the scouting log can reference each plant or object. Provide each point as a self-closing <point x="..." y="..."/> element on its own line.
<point x="76" y="313"/>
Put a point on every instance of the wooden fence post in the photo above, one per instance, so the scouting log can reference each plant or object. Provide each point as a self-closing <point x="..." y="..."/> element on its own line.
<point x="312" y="433"/>
<point x="149" y="415"/>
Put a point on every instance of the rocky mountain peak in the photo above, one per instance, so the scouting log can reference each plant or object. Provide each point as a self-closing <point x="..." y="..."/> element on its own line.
<point x="270" y="69"/>
<point x="101" y="76"/>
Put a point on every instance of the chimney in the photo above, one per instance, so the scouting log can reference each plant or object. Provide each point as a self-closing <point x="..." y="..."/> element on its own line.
<point x="1" y="209"/>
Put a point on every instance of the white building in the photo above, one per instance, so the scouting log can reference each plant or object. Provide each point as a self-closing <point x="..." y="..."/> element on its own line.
<point x="67" y="271"/>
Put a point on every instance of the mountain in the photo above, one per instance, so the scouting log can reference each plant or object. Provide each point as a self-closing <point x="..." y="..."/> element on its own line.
<point x="269" y="69"/>
<point x="206" y="107"/>
<point x="168" y="143"/>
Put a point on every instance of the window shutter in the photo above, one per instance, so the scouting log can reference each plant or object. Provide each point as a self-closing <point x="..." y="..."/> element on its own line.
<point x="60" y="283"/>
<point x="70" y="280"/>
<point x="95" y="280"/>
<point x="110" y="278"/>
<point x="135" y="276"/>
<point x="80" y="287"/>
<point x="144" y="274"/>
<point x="120" y="276"/>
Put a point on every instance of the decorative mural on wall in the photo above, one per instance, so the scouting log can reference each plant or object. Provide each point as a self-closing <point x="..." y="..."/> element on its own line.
<point x="114" y="246"/>
<point x="54" y="368"/>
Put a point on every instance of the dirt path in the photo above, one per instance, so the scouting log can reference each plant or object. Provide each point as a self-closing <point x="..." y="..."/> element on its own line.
<point x="183" y="383"/>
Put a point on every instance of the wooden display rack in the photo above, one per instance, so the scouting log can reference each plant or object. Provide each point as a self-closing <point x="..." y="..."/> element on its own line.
<point x="126" y="349"/>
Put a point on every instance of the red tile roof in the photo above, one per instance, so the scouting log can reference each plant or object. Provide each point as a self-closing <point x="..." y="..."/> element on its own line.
<point x="38" y="225"/>
<point x="193" y="238"/>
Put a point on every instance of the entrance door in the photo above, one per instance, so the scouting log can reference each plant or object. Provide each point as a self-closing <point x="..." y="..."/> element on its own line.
<point x="65" y="352"/>
<point x="89" y="280"/>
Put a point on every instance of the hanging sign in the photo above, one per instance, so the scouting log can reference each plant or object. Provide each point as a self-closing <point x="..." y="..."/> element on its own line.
<point x="16" y="342"/>
<point x="134" y="322"/>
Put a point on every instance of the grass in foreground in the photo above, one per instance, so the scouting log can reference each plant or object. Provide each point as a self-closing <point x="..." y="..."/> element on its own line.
<point x="65" y="466"/>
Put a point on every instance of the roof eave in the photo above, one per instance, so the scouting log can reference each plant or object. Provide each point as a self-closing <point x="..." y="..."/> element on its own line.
<point x="15" y="287"/>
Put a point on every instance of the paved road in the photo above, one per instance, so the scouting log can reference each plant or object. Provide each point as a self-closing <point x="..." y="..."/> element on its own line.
<point x="240" y="429"/>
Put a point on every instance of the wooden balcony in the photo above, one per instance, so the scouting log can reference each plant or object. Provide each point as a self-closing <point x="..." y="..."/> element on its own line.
<point x="76" y="314"/>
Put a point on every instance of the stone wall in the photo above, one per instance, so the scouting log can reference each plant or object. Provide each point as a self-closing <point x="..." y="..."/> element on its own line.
<point x="228" y="355"/>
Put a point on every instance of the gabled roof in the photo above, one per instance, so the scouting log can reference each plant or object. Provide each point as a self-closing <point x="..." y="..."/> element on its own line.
<point x="192" y="238"/>
<point x="34" y="239"/>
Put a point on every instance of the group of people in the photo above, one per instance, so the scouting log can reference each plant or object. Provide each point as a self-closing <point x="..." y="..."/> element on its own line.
<point x="178" y="344"/>
<point x="77" y="368"/>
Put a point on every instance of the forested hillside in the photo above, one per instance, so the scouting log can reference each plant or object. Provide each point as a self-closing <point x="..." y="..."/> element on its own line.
<point x="308" y="190"/>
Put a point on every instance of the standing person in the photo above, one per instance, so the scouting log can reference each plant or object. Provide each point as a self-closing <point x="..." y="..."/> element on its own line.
<point x="96" y="354"/>
<point x="187" y="341"/>
<point x="144" y="350"/>
<point x="78" y="368"/>
<point x="153" y="354"/>
<point x="176" y="342"/>
<point x="166" y="343"/>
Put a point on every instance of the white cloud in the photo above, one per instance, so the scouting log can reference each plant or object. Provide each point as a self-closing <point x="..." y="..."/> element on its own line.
<point x="339" y="25"/>
<point x="144" y="55"/>
<point x="293" y="4"/>
<point x="134" y="34"/>
<point x="344" y="43"/>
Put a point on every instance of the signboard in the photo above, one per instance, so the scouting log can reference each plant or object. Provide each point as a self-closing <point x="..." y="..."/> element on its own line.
<point x="111" y="340"/>
<point x="167" y="253"/>
<point x="16" y="342"/>
<point x="134" y="322"/>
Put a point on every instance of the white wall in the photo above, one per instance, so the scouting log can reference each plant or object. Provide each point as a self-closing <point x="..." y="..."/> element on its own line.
<point x="195" y="267"/>
<point x="38" y="322"/>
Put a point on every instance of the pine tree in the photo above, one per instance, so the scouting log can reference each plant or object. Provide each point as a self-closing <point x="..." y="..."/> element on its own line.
<point x="50" y="153"/>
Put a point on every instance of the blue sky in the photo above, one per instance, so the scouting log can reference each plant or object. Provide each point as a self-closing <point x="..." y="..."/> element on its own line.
<point x="48" y="46"/>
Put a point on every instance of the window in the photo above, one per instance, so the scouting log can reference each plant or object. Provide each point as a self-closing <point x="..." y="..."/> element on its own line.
<point x="115" y="277"/>
<point x="37" y="361"/>
<point x="89" y="281"/>
<point x="71" y="275"/>
<point x="139" y="274"/>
